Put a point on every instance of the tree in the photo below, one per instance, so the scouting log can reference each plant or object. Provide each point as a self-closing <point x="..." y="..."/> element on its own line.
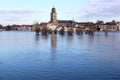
<point x="1" y="26"/>
<point x="8" y="27"/>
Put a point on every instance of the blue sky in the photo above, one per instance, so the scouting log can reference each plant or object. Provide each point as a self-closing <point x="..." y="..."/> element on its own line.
<point x="32" y="11"/>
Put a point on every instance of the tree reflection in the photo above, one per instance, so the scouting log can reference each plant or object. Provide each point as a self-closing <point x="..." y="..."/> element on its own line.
<point x="44" y="37"/>
<point x="70" y="40"/>
<point x="37" y="38"/>
<point x="91" y="37"/>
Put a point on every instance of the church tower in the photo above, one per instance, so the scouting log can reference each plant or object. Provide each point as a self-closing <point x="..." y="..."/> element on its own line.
<point x="53" y="16"/>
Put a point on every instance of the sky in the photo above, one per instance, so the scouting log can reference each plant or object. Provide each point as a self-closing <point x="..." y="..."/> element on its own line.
<point x="33" y="11"/>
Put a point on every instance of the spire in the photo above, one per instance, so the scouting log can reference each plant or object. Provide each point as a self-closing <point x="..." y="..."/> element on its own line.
<point x="53" y="9"/>
<point x="53" y="15"/>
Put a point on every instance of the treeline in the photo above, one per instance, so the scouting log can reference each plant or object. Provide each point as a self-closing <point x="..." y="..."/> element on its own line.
<point x="9" y="27"/>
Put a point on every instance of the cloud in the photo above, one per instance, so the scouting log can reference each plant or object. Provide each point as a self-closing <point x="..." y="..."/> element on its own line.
<point x="91" y="11"/>
<point x="20" y="16"/>
<point x="17" y="12"/>
<point x="98" y="9"/>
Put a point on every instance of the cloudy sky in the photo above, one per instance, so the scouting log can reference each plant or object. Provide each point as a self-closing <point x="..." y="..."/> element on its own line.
<point x="32" y="11"/>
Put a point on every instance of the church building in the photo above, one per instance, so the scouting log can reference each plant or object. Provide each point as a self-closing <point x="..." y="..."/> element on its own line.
<point x="53" y="16"/>
<point x="60" y="23"/>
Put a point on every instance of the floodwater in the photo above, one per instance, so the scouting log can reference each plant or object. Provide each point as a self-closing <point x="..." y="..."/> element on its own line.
<point x="25" y="56"/>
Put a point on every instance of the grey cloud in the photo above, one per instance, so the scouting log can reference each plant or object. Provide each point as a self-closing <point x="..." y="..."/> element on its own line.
<point x="104" y="9"/>
<point x="95" y="9"/>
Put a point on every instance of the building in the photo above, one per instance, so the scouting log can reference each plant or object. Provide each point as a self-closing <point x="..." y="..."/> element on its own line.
<point x="110" y="26"/>
<point x="60" y="23"/>
<point x="25" y="27"/>
<point x="99" y="25"/>
<point x="53" y="16"/>
<point x="86" y="25"/>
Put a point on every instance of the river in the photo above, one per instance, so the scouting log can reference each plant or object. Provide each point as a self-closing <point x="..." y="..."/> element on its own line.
<point x="25" y="56"/>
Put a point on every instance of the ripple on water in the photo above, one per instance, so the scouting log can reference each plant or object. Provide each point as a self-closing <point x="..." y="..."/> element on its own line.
<point x="1" y="78"/>
<point x="0" y="62"/>
<point x="59" y="58"/>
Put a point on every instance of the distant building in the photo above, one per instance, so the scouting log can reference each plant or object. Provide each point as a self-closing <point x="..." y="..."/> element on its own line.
<point x="60" y="23"/>
<point x="99" y="25"/>
<point x="25" y="28"/>
<point x="110" y="26"/>
<point x="53" y="16"/>
<point x="86" y="25"/>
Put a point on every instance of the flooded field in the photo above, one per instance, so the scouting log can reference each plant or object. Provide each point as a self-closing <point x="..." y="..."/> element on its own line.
<point x="25" y="56"/>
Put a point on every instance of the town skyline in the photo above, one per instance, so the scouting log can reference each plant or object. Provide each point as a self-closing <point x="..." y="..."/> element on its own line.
<point x="30" y="12"/>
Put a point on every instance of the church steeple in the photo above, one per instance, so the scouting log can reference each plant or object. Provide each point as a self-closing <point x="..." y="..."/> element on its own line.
<point x="53" y="9"/>
<point x="53" y="16"/>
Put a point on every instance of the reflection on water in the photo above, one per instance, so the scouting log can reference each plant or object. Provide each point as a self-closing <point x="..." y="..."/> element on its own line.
<point x="26" y="56"/>
<point x="37" y="38"/>
<point x="69" y="40"/>
<point x="53" y="46"/>
<point x="0" y="62"/>
<point x="91" y="37"/>
<point x="53" y="40"/>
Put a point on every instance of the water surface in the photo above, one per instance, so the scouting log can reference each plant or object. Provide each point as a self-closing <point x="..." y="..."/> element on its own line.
<point x="25" y="56"/>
